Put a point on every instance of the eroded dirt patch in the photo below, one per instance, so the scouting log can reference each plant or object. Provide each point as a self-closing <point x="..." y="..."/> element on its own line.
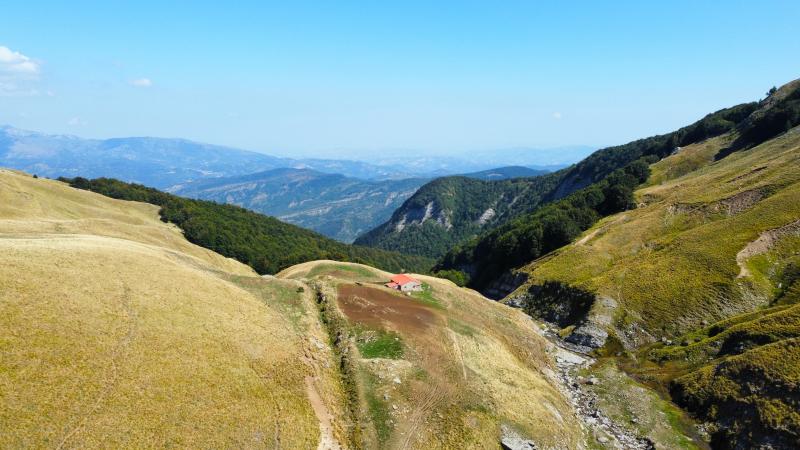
<point x="729" y="206"/>
<point x="763" y="244"/>
<point x="375" y="306"/>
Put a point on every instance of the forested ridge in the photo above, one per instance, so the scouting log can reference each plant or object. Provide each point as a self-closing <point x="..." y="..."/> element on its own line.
<point x="552" y="226"/>
<point x="262" y="242"/>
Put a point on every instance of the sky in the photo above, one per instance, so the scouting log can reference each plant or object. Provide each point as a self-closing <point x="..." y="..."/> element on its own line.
<point x="333" y="78"/>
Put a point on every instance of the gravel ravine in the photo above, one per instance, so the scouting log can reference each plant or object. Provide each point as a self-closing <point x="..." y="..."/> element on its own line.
<point x="607" y="432"/>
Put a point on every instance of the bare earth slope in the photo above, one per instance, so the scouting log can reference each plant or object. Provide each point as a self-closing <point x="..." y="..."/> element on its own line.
<point x="116" y="332"/>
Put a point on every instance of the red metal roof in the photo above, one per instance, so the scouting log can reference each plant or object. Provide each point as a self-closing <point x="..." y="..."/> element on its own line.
<point x="403" y="279"/>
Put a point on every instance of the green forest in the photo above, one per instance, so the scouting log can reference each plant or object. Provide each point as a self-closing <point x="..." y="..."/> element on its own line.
<point x="264" y="243"/>
<point x="548" y="228"/>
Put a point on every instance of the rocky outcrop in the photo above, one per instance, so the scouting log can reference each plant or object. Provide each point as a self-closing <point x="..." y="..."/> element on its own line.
<point x="588" y="335"/>
<point x="511" y="440"/>
<point x="555" y="302"/>
<point x="506" y="284"/>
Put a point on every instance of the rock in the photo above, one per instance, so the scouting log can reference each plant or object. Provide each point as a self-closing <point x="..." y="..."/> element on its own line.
<point x="396" y="380"/>
<point x="602" y="440"/>
<point x="593" y="381"/>
<point x="588" y="335"/>
<point x="511" y="440"/>
<point x="394" y="407"/>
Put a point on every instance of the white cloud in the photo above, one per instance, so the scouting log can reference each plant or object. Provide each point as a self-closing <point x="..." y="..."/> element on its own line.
<point x="142" y="82"/>
<point x="557" y="115"/>
<point x="17" y="63"/>
<point x="76" y="122"/>
<point x="18" y="73"/>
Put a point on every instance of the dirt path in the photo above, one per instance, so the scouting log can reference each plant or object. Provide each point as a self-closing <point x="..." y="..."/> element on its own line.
<point x="327" y="441"/>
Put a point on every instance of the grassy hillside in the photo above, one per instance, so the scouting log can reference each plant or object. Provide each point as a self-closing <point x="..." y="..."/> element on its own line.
<point x="706" y="263"/>
<point x="262" y="242"/>
<point x="443" y="368"/>
<point x="117" y="332"/>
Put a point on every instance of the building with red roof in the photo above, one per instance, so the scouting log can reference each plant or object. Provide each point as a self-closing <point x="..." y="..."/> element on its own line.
<point x="404" y="283"/>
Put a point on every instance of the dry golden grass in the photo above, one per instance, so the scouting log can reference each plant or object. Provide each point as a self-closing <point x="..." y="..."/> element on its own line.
<point x="116" y="332"/>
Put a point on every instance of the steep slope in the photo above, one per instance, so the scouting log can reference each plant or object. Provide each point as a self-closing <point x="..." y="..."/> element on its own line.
<point x="700" y="279"/>
<point x="442" y="368"/>
<point x="117" y="332"/>
<point x="262" y="242"/>
<point x="447" y="212"/>
<point x="334" y="205"/>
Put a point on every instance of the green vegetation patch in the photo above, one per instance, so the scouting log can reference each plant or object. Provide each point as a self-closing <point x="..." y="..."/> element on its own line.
<point x="379" y="344"/>
<point x="326" y="269"/>
<point x="425" y="296"/>
<point x="461" y="327"/>
<point x="378" y="409"/>
<point x="285" y="297"/>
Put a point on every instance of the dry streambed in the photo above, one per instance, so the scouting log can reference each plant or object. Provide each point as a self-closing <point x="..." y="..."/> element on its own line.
<point x="617" y="411"/>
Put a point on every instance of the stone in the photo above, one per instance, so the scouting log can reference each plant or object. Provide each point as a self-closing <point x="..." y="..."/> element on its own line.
<point x="511" y="440"/>
<point x="593" y="381"/>
<point x="588" y="335"/>
<point x="396" y="380"/>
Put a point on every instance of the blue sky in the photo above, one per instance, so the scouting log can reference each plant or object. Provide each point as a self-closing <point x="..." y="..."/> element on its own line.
<point x="327" y="78"/>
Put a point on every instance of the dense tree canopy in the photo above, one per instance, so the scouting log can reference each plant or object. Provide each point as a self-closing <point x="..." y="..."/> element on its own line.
<point x="556" y="224"/>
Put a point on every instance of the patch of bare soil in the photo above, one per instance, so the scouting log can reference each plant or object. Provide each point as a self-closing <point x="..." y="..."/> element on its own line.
<point x="376" y="306"/>
<point x="730" y="206"/>
<point x="763" y="244"/>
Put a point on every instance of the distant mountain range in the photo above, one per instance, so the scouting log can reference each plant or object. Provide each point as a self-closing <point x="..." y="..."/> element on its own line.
<point x="154" y="162"/>
<point x="332" y="204"/>
<point x="163" y="163"/>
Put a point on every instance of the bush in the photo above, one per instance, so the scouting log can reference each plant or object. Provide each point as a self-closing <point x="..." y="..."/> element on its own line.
<point x="456" y="276"/>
